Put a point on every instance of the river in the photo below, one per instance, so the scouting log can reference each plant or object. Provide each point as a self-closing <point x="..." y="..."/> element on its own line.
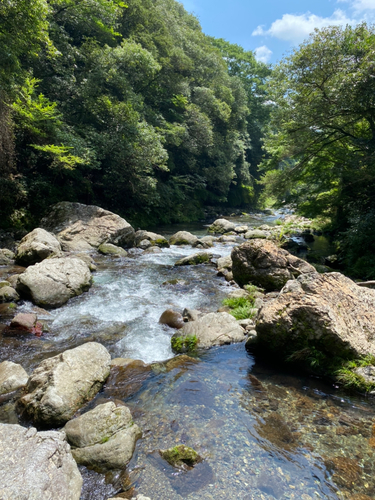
<point x="264" y="434"/>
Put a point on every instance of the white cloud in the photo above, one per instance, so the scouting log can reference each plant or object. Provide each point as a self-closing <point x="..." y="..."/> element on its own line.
<point x="296" y="28"/>
<point x="363" y="5"/>
<point x="263" y="54"/>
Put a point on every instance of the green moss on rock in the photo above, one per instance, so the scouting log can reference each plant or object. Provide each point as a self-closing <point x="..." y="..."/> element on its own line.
<point x="181" y="456"/>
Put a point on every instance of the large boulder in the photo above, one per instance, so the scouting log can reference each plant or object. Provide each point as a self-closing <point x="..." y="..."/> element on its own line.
<point x="183" y="238"/>
<point x="37" y="246"/>
<point x="209" y="330"/>
<point x="104" y="437"/>
<point x="53" y="282"/>
<point x="221" y="226"/>
<point x="264" y="264"/>
<point x="12" y="377"/>
<point x="62" y="384"/>
<point x="83" y="227"/>
<point x="37" y="465"/>
<point x="319" y="312"/>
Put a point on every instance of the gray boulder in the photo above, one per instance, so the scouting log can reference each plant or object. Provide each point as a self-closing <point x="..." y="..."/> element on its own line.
<point x="327" y="312"/>
<point x="195" y="259"/>
<point x="264" y="264"/>
<point x="62" y="384"/>
<point x="183" y="238"/>
<point x="37" y="246"/>
<point x="8" y="294"/>
<point x="221" y="226"/>
<point x="6" y="257"/>
<point x="12" y="377"/>
<point x="213" y="329"/>
<point x="53" y="282"/>
<point x="83" y="227"/>
<point x="153" y="239"/>
<point x="103" y="438"/>
<point x="37" y="465"/>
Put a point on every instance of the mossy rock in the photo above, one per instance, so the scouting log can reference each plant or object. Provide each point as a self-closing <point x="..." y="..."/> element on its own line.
<point x="109" y="249"/>
<point x="160" y="242"/>
<point x="181" y="456"/>
<point x="195" y="259"/>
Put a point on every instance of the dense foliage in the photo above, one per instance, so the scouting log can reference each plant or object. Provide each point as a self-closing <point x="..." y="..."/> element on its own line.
<point x="130" y="107"/>
<point x="321" y="139"/>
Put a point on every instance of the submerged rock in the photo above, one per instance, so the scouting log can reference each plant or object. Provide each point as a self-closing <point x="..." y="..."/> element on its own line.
<point x="53" y="282"/>
<point x="37" y="465"/>
<point x="183" y="238"/>
<point x="172" y="318"/>
<point x="264" y="264"/>
<point x="83" y="227"/>
<point x="181" y="456"/>
<point x="37" y="246"/>
<point x="195" y="259"/>
<point x="209" y="330"/>
<point x="326" y="311"/>
<point x="12" y="377"/>
<point x="62" y="384"/>
<point x="103" y="438"/>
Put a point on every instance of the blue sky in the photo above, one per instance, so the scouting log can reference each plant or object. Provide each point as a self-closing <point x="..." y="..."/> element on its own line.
<point x="272" y="28"/>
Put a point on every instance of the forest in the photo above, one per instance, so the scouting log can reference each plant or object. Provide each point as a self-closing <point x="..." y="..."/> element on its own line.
<point x="130" y="106"/>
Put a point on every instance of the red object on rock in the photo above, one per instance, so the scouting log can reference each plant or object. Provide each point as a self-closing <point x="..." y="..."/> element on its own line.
<point x="37" y="330"/>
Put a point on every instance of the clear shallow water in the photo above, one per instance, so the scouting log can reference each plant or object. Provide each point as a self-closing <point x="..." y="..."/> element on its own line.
<point x="263" y="434"/>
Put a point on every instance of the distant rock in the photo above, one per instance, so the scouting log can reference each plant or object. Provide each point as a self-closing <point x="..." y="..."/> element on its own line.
<point x="83" y="227"/>
<point x="104" y="437"/>
<point x="256" y="233"/>
<point x="109" y="249"/>
<point x="264" y="264"/>
<point x="62" y="384"/>
<point x="326" y="312"/>
<point x="37" y="246"/>
<point x="6" y="257"/>
<point x="195" y="259"/>
<point x="53" y="282"/>
<point x="183" y="238"/>
<point x="154" y="239"/>
<point x="37" y="465"/>
<point x="12" y="377"/>
<point x="221" y="226"/>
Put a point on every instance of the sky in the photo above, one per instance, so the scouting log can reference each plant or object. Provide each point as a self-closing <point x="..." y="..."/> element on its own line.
<point x="272" y="28"/>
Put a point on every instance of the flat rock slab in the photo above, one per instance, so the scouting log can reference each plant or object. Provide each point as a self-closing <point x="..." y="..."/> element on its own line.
<point x="53" y="282"/>
<point x="24" y="321"/>
<point x="104" y="437"/>
<point x="213" y="329"/>
<point x="37" y="246"/>
<point x="59" y="386"/>
<point x="264" y="264"/>
<point x="12" y="377"/>
<point x="37" y="465"/>
<point x="328" y="311"/>
<point x="83" y="227"/>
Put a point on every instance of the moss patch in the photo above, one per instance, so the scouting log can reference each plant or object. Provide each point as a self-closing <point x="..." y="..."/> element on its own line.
<point x="182" y="344"/>
<point x="181" y="456"/>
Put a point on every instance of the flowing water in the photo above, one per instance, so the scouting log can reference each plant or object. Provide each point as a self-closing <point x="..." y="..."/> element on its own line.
<point x="263" y="434"/>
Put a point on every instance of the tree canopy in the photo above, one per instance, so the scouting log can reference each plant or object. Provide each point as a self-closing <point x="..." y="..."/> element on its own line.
<point x="126" y="105"/>
<point x="321" y="139"/>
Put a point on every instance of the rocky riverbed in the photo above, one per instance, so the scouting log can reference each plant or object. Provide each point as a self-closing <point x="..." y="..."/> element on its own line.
<point x="261" y="432"/>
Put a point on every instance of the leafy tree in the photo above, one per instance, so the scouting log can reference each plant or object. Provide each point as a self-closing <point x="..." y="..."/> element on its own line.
<point x="322" y="135"/>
